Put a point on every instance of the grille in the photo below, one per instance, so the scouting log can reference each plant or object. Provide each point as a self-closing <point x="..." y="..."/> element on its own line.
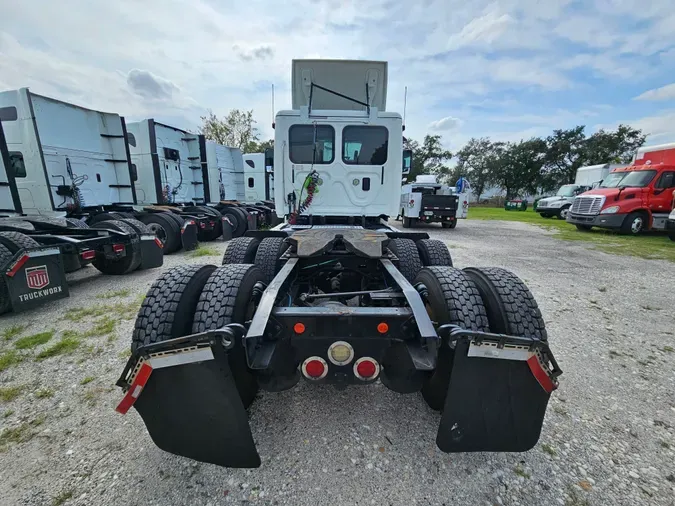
<point x="588" y="205"/>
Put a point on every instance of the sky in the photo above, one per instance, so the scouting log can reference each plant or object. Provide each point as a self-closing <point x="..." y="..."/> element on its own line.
<point x="505" y="69"/>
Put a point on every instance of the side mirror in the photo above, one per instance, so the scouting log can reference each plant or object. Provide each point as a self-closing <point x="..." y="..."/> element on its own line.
<point x="407" y="161"/>
<point x="269" y="159"/>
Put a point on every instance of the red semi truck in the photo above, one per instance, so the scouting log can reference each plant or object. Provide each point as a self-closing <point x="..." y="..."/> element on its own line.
<point x="631" y="199"/>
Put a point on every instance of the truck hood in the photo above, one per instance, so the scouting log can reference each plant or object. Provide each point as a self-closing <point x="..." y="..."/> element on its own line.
<point x="555" y="198"/>
<point x="609" y="193"/>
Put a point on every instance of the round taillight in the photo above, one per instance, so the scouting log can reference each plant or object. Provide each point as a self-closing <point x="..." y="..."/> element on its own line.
<point x="366" y="368"/>
<point x="299" y="328"/>
<point x="315" y="368"/>
<point x="382" y="327"/>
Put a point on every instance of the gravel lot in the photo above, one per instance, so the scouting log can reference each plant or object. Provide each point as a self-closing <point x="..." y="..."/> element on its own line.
<point x="609" y="435"/>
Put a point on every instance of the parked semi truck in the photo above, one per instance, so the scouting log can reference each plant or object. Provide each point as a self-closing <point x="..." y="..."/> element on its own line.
<point x="74" y="162"/>
<point x="631" y="199"/>
<point x="337" y="296"/>
<point x="428" y="201"/>
<point x="586" y="178"/>
<point x="37" y="250"/>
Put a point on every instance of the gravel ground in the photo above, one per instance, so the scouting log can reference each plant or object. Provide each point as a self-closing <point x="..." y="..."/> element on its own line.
<point x="608" y="438"/>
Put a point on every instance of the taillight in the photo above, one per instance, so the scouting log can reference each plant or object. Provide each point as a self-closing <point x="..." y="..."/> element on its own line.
<point x="118" y="248"/>
<point x="315" y="368"/>
<point x="366" y="368"/>
<point x="88" y="254"/>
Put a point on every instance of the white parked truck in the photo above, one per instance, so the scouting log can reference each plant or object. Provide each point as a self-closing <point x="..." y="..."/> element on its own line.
<point x="74" y="162"/>
<point x="586" y="178"/>
<point x="337" y="296"/>
<point x="428" y="201"/>
<point x="258" y="178"/>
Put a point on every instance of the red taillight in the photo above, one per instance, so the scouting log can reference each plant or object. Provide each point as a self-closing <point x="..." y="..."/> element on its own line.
<point x="202" y="225"/>
<point x="299" y="328"/>
<point x="314" y="368"/>
<point x="19" y="263"/>
<point x="382" y="328"/>
<point x="366" y="368"/>
<point x="118" y="248"/>
<point x="88" y="254"/>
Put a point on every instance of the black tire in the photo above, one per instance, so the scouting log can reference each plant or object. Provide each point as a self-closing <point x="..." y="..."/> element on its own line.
<point x="433" y="252"/>
<point x="241" y="250"/>
<point x="97" y="218"/>
<point x="544" y="215"/>
<point x="452" y="297"/>
<point x="15" y="241"/>
<point x="169" y="306"/>
<point x="5" y="257"/>
<point x="635" y="223"/>
<point x="671" y="234"/>
<point x="409" y="262"/>
<point x="242" y="221"/>
<point x="140" y="227"/>
<point x="584" y="228"/>
<point x="449" y="224"/>
<point x="227" y="298"/>
<point x="75" y="223"/>
<point x="165" y="228"/>
<point x="408" y="222"/>
<point x="234" y="220"/>
<point x="177" y="218"/>
<point x="562" y="212"/>
<point x="510" y="306"/>
<point x="268" y="254"/>
<point x="126" y="264"/>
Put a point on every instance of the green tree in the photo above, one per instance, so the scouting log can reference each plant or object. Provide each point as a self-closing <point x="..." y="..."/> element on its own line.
<point x="258" y="147"/>
<point x="613" y="146"/>
<point x="475" y="161"/>
<point x="237" y="129"/>
<point x="565" y="153"/>
<point x="429" y="157"/>
<point x="517" y="167"/>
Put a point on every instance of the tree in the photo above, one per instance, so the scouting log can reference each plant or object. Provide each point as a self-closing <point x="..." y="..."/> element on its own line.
<point x="236" y="130"/>
<point x="517" y="167"/>
<point x="613" y="147"/>
<point x="258" y="147"/>
<point x="429" y="157"/>
<point x="475" y="161"/>
<point x="565" y="153"/>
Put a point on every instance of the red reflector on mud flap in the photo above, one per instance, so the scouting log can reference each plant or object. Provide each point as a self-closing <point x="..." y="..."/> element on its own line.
<point x="118" y="248"/>
<point x="88" y="254"/>
<point x="540" y="374"/>
<point x="159" y="243"/>
<point x="135" y="389"/>
<point x="19" y="263"/>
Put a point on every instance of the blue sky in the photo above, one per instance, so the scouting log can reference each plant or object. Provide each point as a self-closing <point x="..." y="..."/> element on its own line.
<point x="505" y="69"/>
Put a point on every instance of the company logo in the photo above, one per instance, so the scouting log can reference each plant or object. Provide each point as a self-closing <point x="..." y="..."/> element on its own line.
<point x="37" y="277"/>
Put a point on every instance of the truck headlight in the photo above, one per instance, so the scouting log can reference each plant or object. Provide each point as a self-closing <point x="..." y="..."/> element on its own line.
<point x="610" y="210"/>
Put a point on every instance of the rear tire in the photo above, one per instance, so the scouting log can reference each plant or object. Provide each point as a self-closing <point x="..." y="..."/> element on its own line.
<point x="75" y="223"/>
<point x="15" y="241"/>
<point x="452" y="297"/>
<point x="123" y="265"/>
<point x="433" y="252"/>
<point x="562" y="213"/>
<point x="511" y="308"/>
<point x="635" y="223"/>
<point x="5" y="303"/>
<point x="268" y="254"/>
<point x="544" y="215"/>
<point x="409" y="262"/>
<point x="671" y="234"/>
<point x="584" y="228"/>
<point x="165" y="228"/>
<point x="242" y="221"/>
<point x="228" y="297"/>
<point x="169" y="306"/>
<point x="241" y="250"/>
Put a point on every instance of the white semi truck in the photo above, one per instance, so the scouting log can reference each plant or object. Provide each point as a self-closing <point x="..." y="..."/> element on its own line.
<point x="74" y="162"/>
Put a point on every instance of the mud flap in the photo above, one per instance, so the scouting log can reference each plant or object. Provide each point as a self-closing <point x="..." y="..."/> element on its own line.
<point x="497" y="397"/>
<point x="151" y="252"/>
<point x="35" y="276"/>
<point x="193" y="409"/>
<point x="188" y="235"/>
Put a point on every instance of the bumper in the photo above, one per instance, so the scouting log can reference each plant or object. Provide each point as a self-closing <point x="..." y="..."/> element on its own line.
<point x="600" y="220"/>
<point x="438" y="216"/>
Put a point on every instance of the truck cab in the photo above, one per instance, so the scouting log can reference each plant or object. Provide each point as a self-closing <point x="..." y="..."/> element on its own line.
<point x="559" y="204"/>
<point x="631" y="199"/>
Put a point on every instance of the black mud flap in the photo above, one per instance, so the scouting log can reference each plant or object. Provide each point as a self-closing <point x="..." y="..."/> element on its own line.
<point x="188" y="235"/>
<point x="497" y="396"/>
<point x="191" y="406"/>
<point x="35" y="276"/>
<point x="152" y="254"/>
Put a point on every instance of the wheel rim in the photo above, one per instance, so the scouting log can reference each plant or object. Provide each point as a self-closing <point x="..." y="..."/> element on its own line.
<point x="159" y="231"/>
<point x="636" y="226"/>
<point x="563" y="213"/>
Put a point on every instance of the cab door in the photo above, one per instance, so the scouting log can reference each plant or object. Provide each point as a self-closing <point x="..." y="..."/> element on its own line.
<point x="661" y="198"/>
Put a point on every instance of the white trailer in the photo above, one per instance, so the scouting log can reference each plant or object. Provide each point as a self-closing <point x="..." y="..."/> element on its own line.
<point x="593" y="175"/>
<point x="258" y="179"/>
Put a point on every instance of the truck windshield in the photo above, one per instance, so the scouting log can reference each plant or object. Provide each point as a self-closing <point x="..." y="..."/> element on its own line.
<point x="638" y="178"/>
<point x="567" y="190"/>
<point x="612" y="180"/>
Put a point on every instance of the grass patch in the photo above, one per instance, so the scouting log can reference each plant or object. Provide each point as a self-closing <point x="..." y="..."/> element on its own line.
<point x="113" y="294"/>
<point x="29" y="342"/>
<point x="124" y="354"/>
<point x="521" y="472"/>
<point x="651" y="246"/>
<point x="10" y="393"/>
<point x="204" y="251"/>
<point x="8" y="413"/>
<point x="65" y="346"/>
<point x="86" y="380"/>
<point x="548" y="449"/>
<point x="9" y="358"/>
<point x="665" y="444"/>
<point x="44" y="393"/>
<point x="103" y="327"/>
<point x="20" y="433"/>
<point x="116" y="311"/>
<point x="62" y="497"/>
<point x="13" y="331"/>
<point x="667" y="349"/>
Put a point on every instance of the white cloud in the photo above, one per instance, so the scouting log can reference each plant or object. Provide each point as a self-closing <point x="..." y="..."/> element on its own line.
<point x="666" y="92"/>
<point x="444" y="124"/>
<point x="485" y="29"/>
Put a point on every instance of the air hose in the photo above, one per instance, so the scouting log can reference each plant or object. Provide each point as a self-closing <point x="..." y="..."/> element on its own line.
<point x="310" y="187"/>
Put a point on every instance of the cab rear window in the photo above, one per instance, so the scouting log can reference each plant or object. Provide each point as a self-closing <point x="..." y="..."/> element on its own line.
<point x="311" y="144"/>
<point x="365" y="145"/>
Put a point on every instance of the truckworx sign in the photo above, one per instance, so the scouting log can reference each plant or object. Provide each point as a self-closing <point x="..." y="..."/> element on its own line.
<point x="37" y="277"/>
